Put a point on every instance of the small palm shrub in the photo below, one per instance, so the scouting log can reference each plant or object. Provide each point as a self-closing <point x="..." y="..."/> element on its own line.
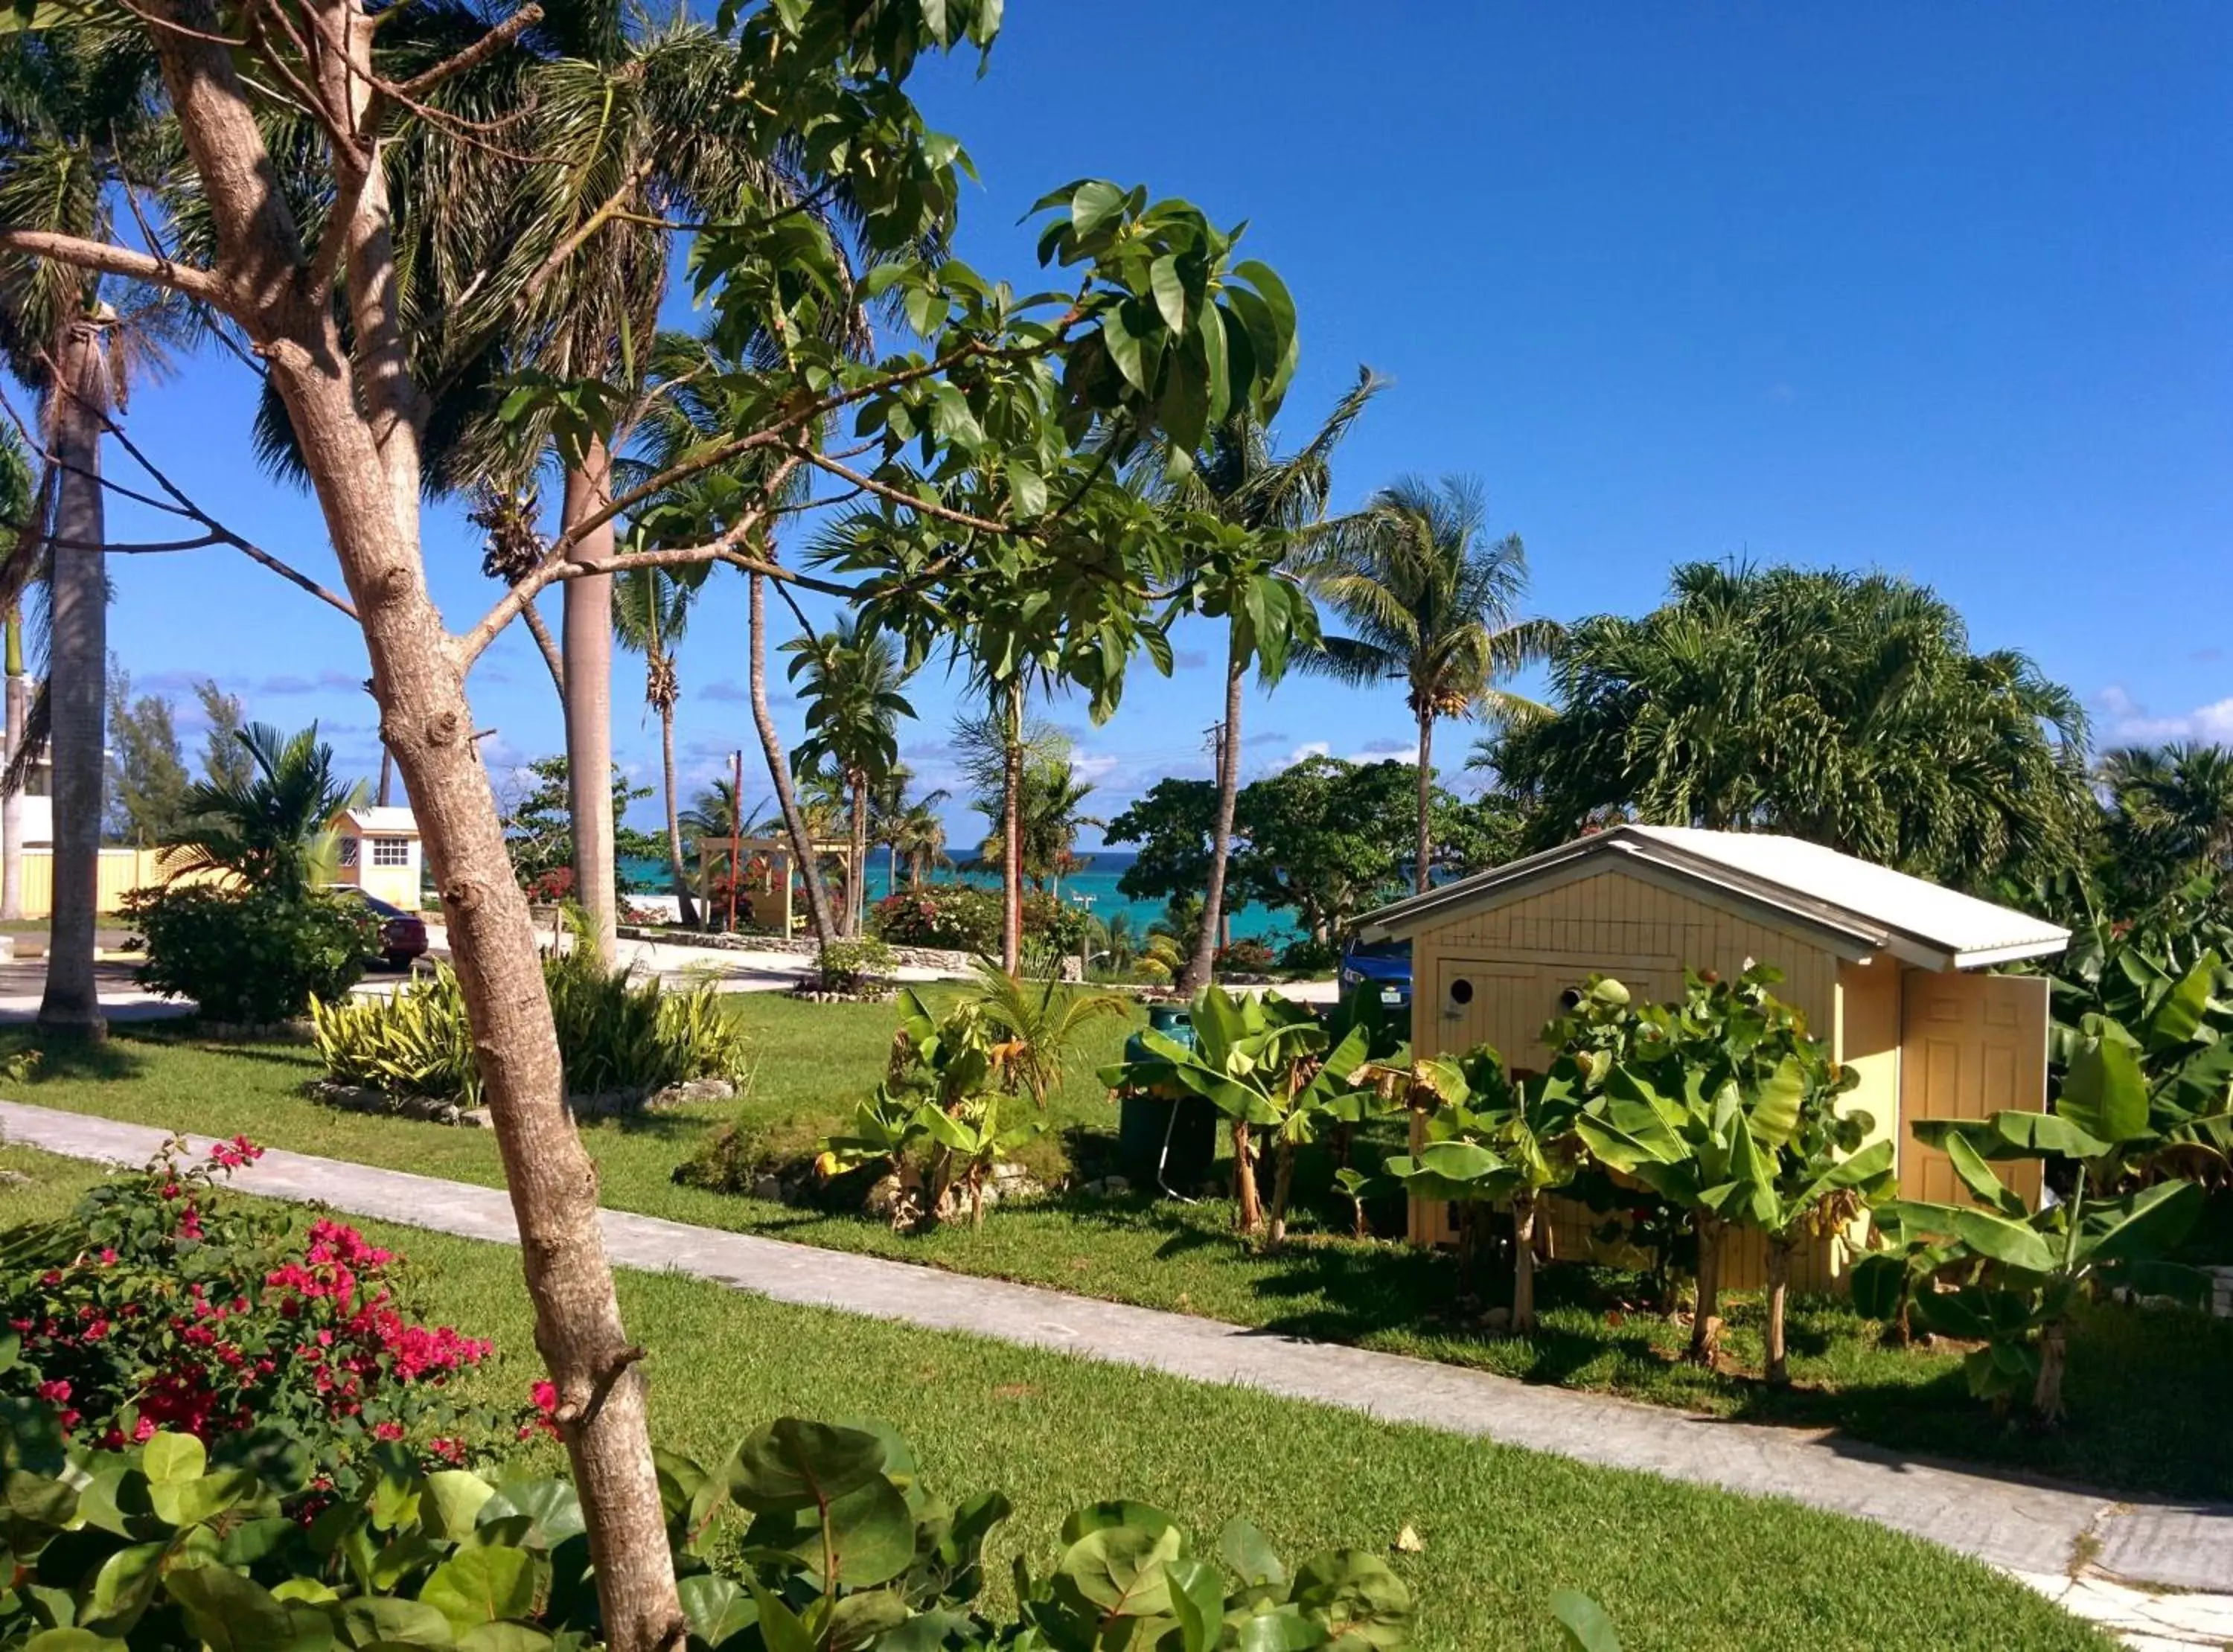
<point x="414" y="1044"/>
<point x="251" y="955"/>
<point x="615" y="1035"/>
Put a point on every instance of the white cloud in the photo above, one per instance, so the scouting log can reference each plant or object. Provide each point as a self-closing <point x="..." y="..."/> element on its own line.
<point x="1095" y="766"/>
<point x="2125" y="721"/>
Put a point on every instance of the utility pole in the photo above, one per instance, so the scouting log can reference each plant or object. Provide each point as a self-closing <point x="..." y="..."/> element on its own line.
<point x="736" y="831"/>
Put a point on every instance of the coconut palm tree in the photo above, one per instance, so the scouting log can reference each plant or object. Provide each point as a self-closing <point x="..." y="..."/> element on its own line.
<point x="850" y="679"/>
<point x="2171" y="815"/>
<point x="651" y="608"/>
<point x="1846" y="709"/>
<point x="76" y="115"/>
<point x="275" y="830"/>
<point x="1431" y="601"/>
<point x="907" y="828"/>
<point x="1268" y="502"/>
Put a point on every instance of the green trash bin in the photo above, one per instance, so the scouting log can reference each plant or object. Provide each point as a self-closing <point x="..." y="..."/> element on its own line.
<point x="1166" y="1140"/>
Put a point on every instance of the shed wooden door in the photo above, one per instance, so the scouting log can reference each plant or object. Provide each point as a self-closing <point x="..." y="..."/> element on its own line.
<point x="1970" y="1045"/>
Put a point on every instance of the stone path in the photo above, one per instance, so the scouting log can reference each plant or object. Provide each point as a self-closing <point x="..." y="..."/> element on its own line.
<point x="2113" y="1561"/>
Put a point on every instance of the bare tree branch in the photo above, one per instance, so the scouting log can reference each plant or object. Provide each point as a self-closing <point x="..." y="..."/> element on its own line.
<point x="81" y="254"/>
<point x="900" y="496"/>
<point x="477" y="54"/>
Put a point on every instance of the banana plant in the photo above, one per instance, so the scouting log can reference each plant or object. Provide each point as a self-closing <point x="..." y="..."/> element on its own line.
<point x="2035" y="1267"/>
<point x="1268" y="1063"/>
<point x="1704" y="1101"/>
<point x="1490" y="1139"/>
<point x="2139" y="1102"/>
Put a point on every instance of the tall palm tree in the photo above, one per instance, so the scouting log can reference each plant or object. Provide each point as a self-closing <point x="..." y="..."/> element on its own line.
<point x="1432" y="603"/>
<point x="850" y="679"/>
<point x="18" y="491"/>
<point x="274" y="830"/>
<point x="904" y="825"/>
<point x="1268" y="501"/>
<point x="651" y="609"/>
<point x="2171" y="815"/>
<point x="76" y="115"/>
<point x="1846" y="709"/>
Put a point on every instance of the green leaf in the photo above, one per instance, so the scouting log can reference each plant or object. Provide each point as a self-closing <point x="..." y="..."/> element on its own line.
<point x="1119" y="1569"/>
<point x="231" y="1614"/>
<point x="1170" y="292"/>
<point x="1244" y="1549"/>
<point x="792" y="1464"/>
<point x="1125" y="347"/>
<point x="2140" y="1227"/>
<point x="191" y="1502"/>
<point x="863" y="1619"/>
<point x="124" y="1585"/>
<point x="168" y="1458"/>
<point x="2003" y="1240"/>
<point x="781" y="1631"/>
<point x="1977" y="1176"/>
<point x="553" y="1509"/>
<point x="2104" y="1093"/>
<point x="717" y="1607"/>
<point x="1095" y="204"/>
<point x="504" y="1638"/>
<point x="380" y="1621"/>
<point x="71" y="1640"/>
<point x="1197" y="1595"/>
<point x="481" y="1585"/>
<point x="1586" y="1625"/>
<point x="457" y="1497"/>
<point x="1352" y="1588"/>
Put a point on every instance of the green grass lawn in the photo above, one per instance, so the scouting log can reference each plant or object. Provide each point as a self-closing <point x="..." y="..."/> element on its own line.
<point x="1679" y="1567"/>
<point x="2136" y="1383"/>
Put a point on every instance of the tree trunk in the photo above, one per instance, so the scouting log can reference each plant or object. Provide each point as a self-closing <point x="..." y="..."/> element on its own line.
<point x="856" y="866"/>
<point x="685" y="908"/>
<point x="352" y="412"/>
<point x="1424" y="848"/>
<point x="794" y="823"/>
<point x="1778" y="1371"/>
<point x="1706" y="1323"/>
<point x="1250" y="1217"/>
<point x="77" y="678"/>
<point x="1220" y="842"/>
<point x="589" y="656"/>
<point x="1011" y="839"/>
<point x="1283" y="1187"/>
<point x="427" y="722"/>
<point x="2046" y="1392"/>
<point x="1523" y="1263"/>
<point x="18" y="693"/>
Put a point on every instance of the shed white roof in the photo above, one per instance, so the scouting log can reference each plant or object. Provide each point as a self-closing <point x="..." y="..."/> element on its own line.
<point x="374" y="822"/>
<point x="1866" y="907"/>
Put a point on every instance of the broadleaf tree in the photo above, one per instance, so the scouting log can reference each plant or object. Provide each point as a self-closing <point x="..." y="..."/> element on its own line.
<point x="999" y="409"/>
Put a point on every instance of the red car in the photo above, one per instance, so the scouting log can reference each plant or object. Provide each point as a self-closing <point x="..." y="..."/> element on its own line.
<point x="402" y="934"/>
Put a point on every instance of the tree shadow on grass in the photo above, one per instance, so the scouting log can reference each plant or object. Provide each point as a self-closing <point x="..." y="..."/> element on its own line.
<point x="111" y="1061"/>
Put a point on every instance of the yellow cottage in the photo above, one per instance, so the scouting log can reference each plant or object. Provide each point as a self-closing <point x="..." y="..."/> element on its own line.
<point x="377" y="849"/>
<point x="1876" y="960"/>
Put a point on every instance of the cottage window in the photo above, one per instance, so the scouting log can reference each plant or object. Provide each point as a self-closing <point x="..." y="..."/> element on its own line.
<point x="391" y="851"/>
<point x="348" y="851"/>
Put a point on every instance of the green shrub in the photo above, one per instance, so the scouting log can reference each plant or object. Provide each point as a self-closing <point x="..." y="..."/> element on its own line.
<point x="159" y="1303"/>
<point x="416" y="1042"/>
<point x="616" y="1036"/>
<point x="248" y="955"/>
<point x="965" y="917"/>
<point x="154" y="1548"/>
<point x="853" y="965"/>
<point x="1311" y="957"/>
<point x="1242" y="957"/>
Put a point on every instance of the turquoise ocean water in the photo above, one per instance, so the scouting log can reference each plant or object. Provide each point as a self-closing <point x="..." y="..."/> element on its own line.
<point x="1094" y="888"/>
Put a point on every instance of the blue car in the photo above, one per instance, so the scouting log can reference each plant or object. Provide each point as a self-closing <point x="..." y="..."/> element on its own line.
<point x="1383" y="964"/>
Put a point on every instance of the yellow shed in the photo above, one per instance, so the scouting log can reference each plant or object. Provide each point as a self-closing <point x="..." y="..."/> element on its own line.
<point x="377" y="849"/>
<point x="1879" y="962"/>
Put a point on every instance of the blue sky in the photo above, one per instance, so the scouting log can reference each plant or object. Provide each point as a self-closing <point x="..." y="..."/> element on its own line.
<point x="1939" y="290"/>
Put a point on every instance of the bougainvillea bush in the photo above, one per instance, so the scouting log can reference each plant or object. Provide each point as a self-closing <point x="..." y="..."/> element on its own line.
<point x="964" y="917"/>
<point x="159" y="1305"/>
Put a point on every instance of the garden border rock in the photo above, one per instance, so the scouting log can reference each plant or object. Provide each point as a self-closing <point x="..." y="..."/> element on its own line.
<point x="937" y="957"/>
<point x="431" y="1109"/>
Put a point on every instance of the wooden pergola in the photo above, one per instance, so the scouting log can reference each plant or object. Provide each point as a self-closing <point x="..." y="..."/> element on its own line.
<point x="763" y="853"/>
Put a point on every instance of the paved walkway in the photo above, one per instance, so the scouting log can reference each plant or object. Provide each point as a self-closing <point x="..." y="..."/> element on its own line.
<point x="2118" y="1552"/>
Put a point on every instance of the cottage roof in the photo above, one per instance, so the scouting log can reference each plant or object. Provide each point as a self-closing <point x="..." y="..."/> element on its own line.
<point x="1860" y="907"/>
<point x="372" y="820"/>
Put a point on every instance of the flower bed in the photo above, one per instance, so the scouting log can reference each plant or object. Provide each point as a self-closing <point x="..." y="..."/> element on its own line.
<point x="159" y="1305"/>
